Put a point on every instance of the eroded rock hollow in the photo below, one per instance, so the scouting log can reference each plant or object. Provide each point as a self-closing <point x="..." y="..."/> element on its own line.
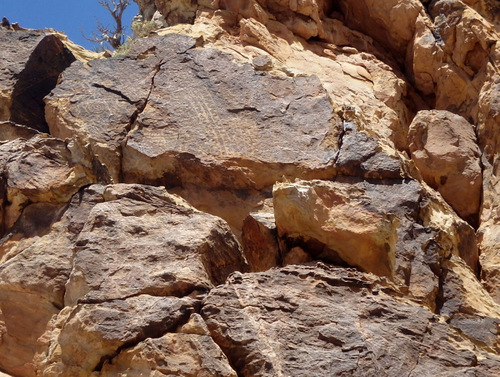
<point x="257" y="188"/>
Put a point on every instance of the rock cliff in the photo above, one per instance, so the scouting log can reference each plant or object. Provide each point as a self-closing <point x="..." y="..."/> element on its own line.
<point x="261" y="188"/>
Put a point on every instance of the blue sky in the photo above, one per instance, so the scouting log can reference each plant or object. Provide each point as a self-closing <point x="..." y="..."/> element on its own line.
<point x="70" y="16"/>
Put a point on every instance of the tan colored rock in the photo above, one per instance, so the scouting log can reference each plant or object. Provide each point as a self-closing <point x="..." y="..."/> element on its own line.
<point x="189" y="352"/>
<point x="449" y="57"/>
<point x="336" y="221"/>
<point x="468" y="306"/>
<point x="36" y="263"/>
<point x="489" y="230"/>
<point x="391" y="23"/>
<point x="444" y="148"/>
<point x="88" y="336"/>
<point x="334" y="215"/>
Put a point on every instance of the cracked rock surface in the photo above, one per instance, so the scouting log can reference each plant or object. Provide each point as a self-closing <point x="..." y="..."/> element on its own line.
<point x="263" y="188"/>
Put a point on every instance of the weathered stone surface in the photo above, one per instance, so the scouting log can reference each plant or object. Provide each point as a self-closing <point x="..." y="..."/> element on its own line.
<point x="386" y="227"/>
<point x="334" y="215"/>
<point x="40" y="169"/>
<point x="260" y="242"/>
<point x="30" y="65"/>
<point x="343" y="321"/>
<point x="36" y="259"/>
<point x="258" y="92"/>
<point x="95" y="107"/>
<point x="142" y="240"/>
<point x="444" y="148"/>
<point x="189" y="352"/>
<point x="468" y="307"/>
<point x="168" y="145"/>
<point x="360" y="155"/>
<point x="225" y="125"/>
<point x="87" y="336"/>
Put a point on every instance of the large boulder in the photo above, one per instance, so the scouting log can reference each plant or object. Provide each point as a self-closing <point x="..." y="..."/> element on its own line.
<point x="391" y="228"/>
<point x="30" y="66"/>
<point x="444" y="148"/>
<point x="325" y="321"/>
<point x="142" y="240"/>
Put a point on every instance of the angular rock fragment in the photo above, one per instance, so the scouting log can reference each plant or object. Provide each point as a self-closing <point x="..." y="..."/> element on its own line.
<point x="444" y="148"/>
<point x="389" y="227"/>
<point x="29" y="68"/>
<point x="339" y="217"/>
<point x="189" y="352"/>
<point x="40" y="169"/>
<point x="260" y="242"/>
<point x="87" y="336"/>
<point x="468" y="306"/>
<point x="360" y="155"/>
<point x="343" y="323"/>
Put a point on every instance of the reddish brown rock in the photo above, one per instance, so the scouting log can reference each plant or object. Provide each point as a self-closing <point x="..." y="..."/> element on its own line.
<point x="86" y="337"/>
<point x="142" y="240"/>
<point x="31" y="63"/>
<point x="260" y="242"/>
<point x="444" y="148"/>
<point x="343" y="320"/>
<point x="39" y="252"/>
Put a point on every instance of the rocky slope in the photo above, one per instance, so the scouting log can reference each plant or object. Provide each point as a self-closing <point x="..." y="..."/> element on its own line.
<point x="263" y="188"/>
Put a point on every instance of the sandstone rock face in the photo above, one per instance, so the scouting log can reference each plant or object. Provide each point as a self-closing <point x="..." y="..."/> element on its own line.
<point x="445" y="150"/>
<point x="263" y="188"/>
<point x="106" y="283"/>
<point x="343" y="321"/>
<point x="333" y="214"/>
<point x="31" y="64"/>
<point x="41" y="169"/>
<point x="37" y="261"/>
<point x="137" y="220"/>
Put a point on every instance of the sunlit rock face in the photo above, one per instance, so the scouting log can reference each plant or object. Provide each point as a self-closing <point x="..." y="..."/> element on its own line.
<point x="260" y="188"/>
